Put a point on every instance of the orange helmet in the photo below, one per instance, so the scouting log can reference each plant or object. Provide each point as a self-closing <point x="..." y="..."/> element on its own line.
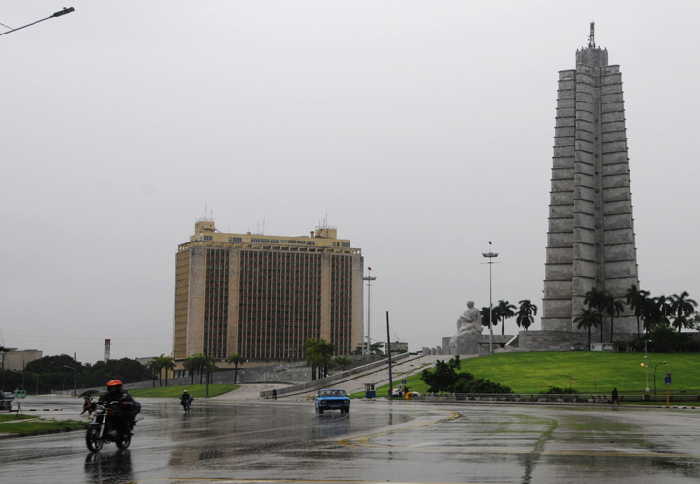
<point x="114" y="383"/>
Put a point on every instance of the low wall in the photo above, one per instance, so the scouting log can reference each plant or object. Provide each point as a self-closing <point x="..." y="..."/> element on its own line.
<point x="545" y="340"/>
<point x="337" y="378"/>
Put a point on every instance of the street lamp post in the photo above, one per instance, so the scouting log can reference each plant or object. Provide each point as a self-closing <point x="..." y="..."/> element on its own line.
<point x="3" y="350"/>
<point x="369" y="278"/>
<point x="490" y="255"/>
<point x="60" y="13"/>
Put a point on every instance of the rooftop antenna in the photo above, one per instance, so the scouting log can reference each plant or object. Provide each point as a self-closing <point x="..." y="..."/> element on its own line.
<point x="591" y="36"/>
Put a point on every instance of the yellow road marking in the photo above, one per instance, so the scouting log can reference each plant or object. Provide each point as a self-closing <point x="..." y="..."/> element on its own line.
<point x="363" y="440"/>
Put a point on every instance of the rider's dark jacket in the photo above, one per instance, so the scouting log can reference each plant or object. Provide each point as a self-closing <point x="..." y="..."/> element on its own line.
<point x="127" y="407"/>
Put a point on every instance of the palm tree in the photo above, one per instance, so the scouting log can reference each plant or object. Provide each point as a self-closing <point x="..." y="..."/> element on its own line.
<point x="155" y="366"/>
<point x="589" y="318"/>
<point x="168" y="364"/>
<point x="682" y="308"/>
<point x="636" y="299"/>
<point x="190" y="364"/>
<point x="665" y="309"/>
<point x="312" y="355"/>
<point x="343" y="362"/>
<point x="485" y="316"/>
<point x="209" y="365"/>
<point x="526" y="312"/>
<point x="236" y="359"/>
<point x="613" y="308"/>
<point x="504" y="310"/>
<point x="325" y="351"/>
<point x="197" y="363"/>
<point x="597" y="299"/>
<point x="651" y="315"/>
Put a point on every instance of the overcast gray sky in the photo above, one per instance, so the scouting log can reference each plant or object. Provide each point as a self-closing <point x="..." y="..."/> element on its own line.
<point x="423" y="129"/>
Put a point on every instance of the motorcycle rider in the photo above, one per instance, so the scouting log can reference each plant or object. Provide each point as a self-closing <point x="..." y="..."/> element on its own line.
<point x="186" y="399"/>
<point x="124" y="414"/>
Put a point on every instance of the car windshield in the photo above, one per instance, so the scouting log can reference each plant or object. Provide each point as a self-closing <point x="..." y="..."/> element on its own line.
<point x="332" y="393"/>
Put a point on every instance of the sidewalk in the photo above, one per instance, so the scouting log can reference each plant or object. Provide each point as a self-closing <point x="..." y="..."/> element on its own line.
<point x="246" y="392"/>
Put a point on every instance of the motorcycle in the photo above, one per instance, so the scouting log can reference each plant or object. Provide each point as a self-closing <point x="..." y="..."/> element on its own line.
<point x="102" y="429"/>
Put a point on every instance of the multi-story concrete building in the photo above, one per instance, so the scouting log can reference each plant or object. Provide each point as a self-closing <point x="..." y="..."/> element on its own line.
<point x="263" y="296"/>
<point x="16" y="360"/>
<point x="591" y="241"/>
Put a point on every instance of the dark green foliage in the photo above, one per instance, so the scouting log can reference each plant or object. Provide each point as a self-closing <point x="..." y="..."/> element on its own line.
<point x="663" y="339"/>
<point x="51" y="364"/>
<point x="55" y="373"/>
<point x="444" y="378"/>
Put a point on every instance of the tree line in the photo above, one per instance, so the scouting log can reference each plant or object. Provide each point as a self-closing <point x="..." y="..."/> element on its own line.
<point x="656" y="316"/>
<point x="524" y="314"/>
<point x="61" y="372"/>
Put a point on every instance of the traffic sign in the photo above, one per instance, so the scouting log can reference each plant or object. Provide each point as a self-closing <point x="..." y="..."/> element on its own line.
<point x="20" y="393"/>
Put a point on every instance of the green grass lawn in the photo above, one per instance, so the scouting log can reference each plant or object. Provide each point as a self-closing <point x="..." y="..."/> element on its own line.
<point x="38" y="426"/>
<point x="13" y="416"/>
<point x="535" y="372"/>
<point x="197" y="391"/>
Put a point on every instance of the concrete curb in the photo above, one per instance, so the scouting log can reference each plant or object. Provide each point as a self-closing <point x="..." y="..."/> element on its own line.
<point x="548" y="404"/>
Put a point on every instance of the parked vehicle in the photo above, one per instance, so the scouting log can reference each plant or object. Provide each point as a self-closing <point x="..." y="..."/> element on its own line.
<point x="6" y="401"/>
<point x="332" y="399"/>
<point x="107" y="425"/>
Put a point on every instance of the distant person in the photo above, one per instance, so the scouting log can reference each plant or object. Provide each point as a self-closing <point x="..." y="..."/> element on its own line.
<point x="615" y="397"/>
<point x="186" y="400"/>
<point x="274" y="394"/>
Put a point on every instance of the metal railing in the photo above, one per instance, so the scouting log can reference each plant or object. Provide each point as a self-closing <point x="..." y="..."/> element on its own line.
<point x="333" y="379"/>
<point x="582" y="398"/>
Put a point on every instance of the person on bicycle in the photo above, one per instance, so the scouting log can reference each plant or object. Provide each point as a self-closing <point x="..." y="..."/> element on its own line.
<point x="186" y="399"/>
<point x="126" y="409"/>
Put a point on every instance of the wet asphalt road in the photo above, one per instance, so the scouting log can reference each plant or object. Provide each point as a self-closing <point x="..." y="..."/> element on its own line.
<point x="398" y="442"/>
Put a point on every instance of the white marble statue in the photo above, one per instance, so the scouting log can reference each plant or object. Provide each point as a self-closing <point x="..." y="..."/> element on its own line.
<point x="469" y="328"/>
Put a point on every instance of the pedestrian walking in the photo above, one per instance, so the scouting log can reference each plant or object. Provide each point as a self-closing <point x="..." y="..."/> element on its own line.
<point x="615" y="397"/>
<point x="274" y="394"/>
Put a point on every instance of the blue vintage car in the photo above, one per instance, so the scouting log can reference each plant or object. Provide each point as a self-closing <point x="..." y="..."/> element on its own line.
<point x="332" y="399"/>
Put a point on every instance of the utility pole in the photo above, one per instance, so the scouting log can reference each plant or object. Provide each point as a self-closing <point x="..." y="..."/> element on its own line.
<point x="3" y="350"/>
<point x="390" y="394"/>
<point x="490" y="255"/>
<point x="369" y="278"/>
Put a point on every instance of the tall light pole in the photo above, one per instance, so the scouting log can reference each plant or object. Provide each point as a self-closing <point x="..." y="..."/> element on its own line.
<point x="60" y="13"/>
<point x="75" y="382"/>
<point x="490" y="255"/>
<point x="369" y="278"/>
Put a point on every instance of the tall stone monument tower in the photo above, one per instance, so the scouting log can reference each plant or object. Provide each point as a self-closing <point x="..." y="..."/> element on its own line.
<point x="590" y="242"/>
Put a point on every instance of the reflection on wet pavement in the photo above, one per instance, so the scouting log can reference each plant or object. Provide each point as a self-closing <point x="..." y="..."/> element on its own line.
<point x="401" y="442"/>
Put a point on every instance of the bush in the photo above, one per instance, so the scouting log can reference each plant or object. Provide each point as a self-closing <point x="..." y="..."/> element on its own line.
<point x="664" y="339"/>
<point x="444" y="378"/>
